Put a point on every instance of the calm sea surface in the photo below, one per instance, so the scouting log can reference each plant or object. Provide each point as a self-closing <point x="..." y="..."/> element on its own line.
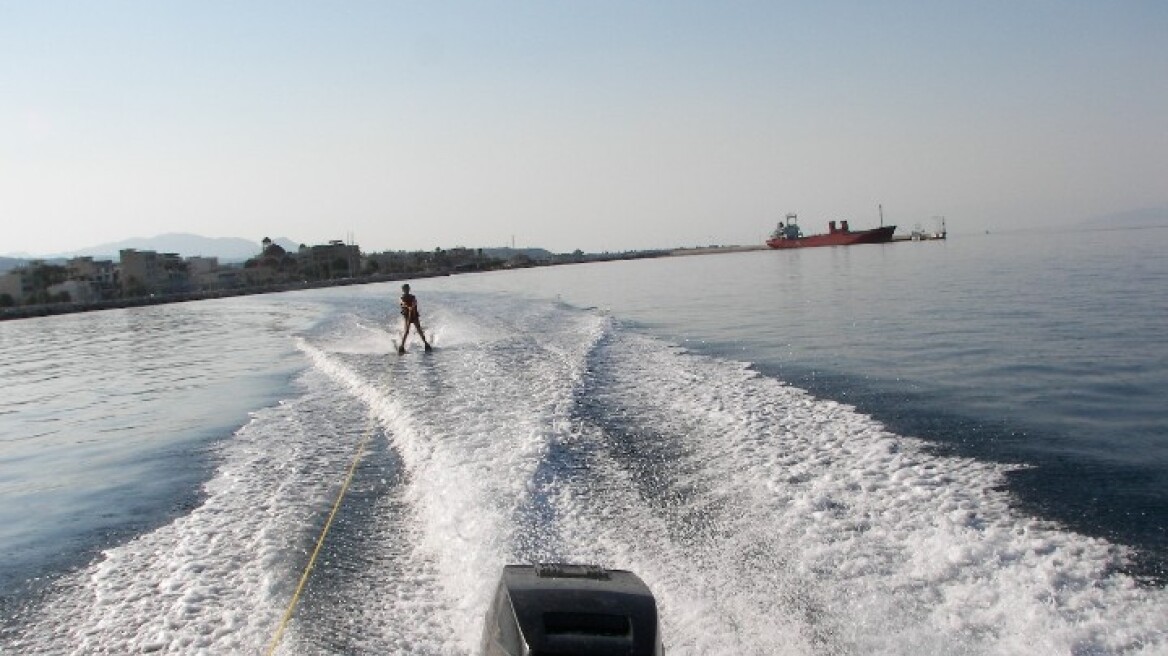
<point x="953" y="447"/>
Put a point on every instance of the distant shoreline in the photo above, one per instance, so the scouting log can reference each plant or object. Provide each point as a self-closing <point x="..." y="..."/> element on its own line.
<point x="53" y="309"/>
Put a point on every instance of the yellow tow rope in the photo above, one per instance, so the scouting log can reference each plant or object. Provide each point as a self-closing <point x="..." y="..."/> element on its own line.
<point x="320" y="542"/>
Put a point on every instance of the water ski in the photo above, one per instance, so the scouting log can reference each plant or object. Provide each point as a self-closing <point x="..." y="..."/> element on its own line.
<point x="401" y="347"/>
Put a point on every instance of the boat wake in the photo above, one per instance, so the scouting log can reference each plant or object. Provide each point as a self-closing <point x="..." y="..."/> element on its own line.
<point x="764" y="520"/>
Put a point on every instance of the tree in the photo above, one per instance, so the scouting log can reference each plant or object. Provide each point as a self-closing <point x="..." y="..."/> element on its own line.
<point x="47" y="275"/>
<point x="135" y="287"/>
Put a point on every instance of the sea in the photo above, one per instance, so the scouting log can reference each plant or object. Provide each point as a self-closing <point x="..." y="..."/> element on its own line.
<point x="943" y="447"/>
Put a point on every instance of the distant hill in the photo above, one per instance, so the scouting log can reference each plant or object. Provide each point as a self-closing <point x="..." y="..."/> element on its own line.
<point x="8" y="263"/>
<point x="227" y="249"/>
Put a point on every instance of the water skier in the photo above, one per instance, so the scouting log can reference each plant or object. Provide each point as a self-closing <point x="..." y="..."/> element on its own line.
<point x="409" y="312"/>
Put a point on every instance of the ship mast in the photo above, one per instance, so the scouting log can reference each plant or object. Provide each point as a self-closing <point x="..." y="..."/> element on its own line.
<point x="881" y="207"/>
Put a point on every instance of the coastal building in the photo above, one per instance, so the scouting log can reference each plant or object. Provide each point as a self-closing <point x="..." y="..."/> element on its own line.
<point x="141" y="272"/>
<point x="398" y="261"/>
<point x="335" y="259"/>
<point x="230" y="277"/>
<point x="203" y="272"/>
<point x="76" y="291"/>
<point x="16" y="285"/>
<point x="98" y="277"/>
<point x="148" y="272"/>
<point x="31" y="283"/>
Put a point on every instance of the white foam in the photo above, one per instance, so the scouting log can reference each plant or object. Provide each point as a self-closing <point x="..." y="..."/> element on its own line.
<point x="212" y="580"/>
<point x="766" y="521"/>
<point x="469" y="449"/>
<point x="855" y="536"/>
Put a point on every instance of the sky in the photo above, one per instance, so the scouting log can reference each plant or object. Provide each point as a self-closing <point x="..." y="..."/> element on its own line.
<point x="595" y="125"/>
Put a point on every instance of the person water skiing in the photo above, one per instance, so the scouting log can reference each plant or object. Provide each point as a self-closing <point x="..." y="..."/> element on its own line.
<point x="409" y="312"/>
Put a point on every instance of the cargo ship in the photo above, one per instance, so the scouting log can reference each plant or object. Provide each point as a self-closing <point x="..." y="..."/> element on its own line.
<point x="788" y="235"/>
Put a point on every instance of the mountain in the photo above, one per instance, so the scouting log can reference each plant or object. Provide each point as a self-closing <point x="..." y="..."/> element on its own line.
<point x="227" y="249"/>
<point x="9" y="263"/>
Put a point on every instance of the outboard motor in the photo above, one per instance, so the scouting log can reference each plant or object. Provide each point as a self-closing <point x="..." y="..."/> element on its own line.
<point x="571" y="610"/>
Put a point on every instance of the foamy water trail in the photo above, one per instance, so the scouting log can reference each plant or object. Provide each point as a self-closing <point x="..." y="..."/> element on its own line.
<point x="772" y="522"/>
<point x="212" y="580"/>
<point x="765" y="521"/>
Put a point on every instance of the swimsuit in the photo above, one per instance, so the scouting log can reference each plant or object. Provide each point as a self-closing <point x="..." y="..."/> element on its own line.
<point x="409" y="307"/>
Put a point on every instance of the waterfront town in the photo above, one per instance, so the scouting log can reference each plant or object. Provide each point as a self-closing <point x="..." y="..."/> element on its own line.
<point x="142" y="277"/>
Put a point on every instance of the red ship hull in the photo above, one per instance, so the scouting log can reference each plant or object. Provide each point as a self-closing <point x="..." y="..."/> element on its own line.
<point x="842" y="237"/>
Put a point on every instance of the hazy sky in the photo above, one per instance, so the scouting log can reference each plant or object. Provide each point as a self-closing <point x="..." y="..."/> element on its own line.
<point x="586" y="124"/>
